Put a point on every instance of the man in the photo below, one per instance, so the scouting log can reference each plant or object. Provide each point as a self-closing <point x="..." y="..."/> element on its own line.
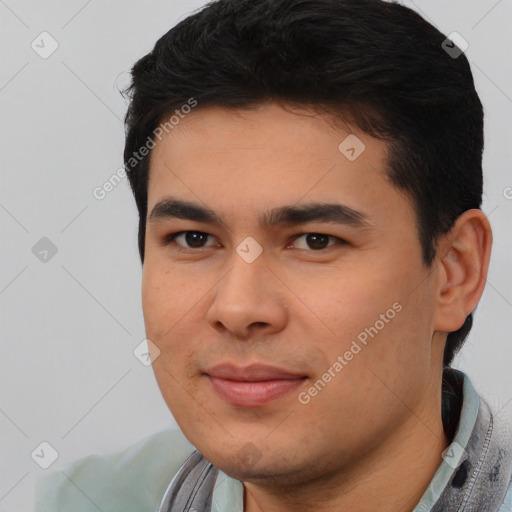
<point x="308" y="178"/>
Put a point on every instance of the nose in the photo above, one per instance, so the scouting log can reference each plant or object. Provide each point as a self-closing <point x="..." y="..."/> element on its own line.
<point x="249" y="301"/>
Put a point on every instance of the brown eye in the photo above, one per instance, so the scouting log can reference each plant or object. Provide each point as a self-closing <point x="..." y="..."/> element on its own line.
<point x="189" y="239"/>
<point x="315" y="241"/>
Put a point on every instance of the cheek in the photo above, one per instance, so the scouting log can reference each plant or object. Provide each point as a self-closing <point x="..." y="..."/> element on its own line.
<point x="377" y="316"/>
<point x="168" y="310"/>
<point x="166" y="299"/>
<point x="343" y="302"/>
<point x="170" y="304"/>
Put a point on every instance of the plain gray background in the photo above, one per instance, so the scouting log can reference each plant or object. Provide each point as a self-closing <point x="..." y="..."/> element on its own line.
<point x="71" y="320"/>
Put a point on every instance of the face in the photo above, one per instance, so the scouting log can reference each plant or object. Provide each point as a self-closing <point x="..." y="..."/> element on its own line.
<point x="287" y="298"/>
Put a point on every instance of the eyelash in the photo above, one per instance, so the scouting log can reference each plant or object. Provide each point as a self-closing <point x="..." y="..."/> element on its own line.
<point x="170" y="239"/>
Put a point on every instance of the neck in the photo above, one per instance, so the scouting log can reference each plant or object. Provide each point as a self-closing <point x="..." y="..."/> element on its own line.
<point x="393" y="477"/>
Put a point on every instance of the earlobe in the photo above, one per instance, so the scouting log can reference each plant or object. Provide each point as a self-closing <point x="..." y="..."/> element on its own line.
<point x="463" y="259"/>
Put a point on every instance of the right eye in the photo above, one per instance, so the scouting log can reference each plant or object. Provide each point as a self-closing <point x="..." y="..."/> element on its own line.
<point x="189" y="239"/>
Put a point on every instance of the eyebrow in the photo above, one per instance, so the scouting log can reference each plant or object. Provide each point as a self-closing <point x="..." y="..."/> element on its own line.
<point x="170" y="208"/>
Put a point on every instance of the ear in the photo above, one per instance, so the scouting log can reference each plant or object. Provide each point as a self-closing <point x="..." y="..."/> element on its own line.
<point x="463" y="257"/>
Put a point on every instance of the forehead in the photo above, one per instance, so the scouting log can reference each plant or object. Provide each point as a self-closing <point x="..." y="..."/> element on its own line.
<point x="253" y="160"/>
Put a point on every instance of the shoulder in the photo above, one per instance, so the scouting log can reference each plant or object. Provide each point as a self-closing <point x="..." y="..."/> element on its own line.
<point x="506" y="506"/>
<point x="497" y="466"/>
<point x="503" y="460"/>
<point x="134" y="479"/>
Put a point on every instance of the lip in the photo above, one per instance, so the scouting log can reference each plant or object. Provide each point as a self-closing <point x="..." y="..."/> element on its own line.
<point x="253" y="386"/>
<point x="251" y="373"/>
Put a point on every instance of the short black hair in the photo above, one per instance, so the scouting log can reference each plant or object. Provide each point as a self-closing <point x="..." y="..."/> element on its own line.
<point x="378" y="65"/>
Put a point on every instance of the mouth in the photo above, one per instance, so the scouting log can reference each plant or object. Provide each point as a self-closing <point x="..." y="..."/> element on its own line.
<point x="252" y="386"/>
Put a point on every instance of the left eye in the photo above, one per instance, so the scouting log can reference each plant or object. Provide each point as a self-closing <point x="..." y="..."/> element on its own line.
<point x="316" y="241"/>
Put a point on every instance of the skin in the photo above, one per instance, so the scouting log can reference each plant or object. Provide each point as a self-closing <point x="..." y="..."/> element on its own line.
<point x="353" y="445"/>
